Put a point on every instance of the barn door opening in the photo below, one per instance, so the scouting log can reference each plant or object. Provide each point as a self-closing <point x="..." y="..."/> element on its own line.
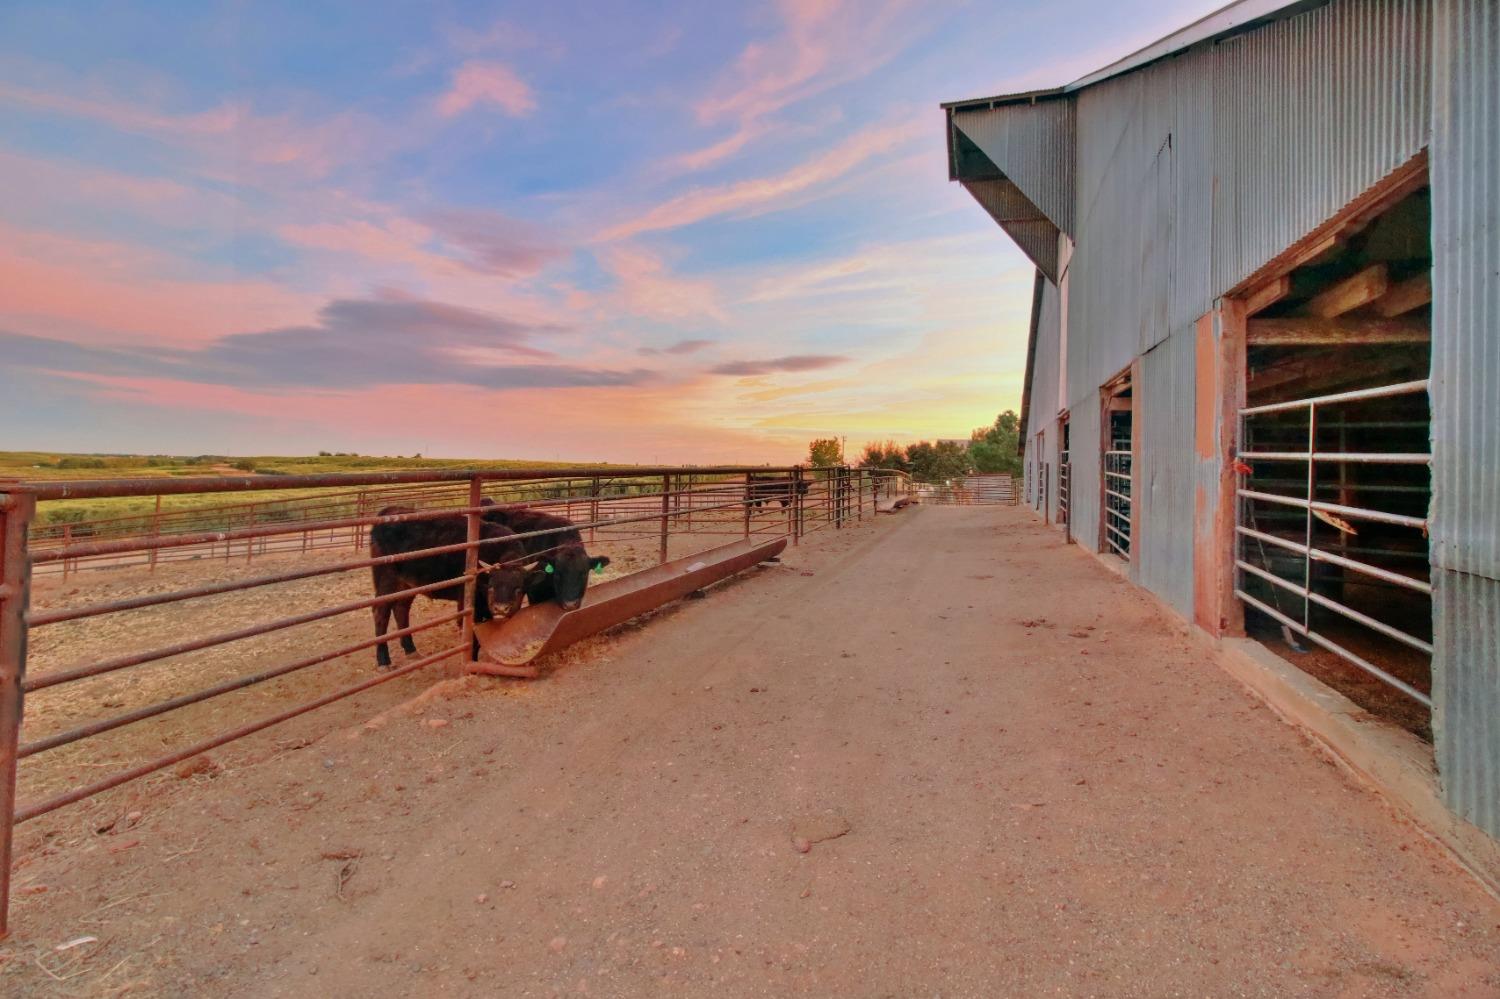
<point x="1335" y="464"/>
<point x="1118" y="437"/>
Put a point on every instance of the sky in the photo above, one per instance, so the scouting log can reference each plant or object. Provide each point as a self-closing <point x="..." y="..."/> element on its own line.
<point x="640" y="232"/>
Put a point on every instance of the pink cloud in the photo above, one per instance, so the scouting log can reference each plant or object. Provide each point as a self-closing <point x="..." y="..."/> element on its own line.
<point x="643" y="425"/>
<point x="275" y="141"/>
<point x="763" y="193"/>
<point x="823" y="43"/>
<point x="478" y="82"/>
<point x="646" y="287"/>
<point x="96" y="290"/>
<point x="55" y="187"/>
<point x="699" y="159"/>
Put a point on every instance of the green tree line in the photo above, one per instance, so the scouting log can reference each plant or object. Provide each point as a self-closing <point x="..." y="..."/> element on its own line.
<point x="991" y="449"/>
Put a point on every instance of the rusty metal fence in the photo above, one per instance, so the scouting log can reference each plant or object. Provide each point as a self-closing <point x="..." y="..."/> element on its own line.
<point x="640" y="517"/>
<point x="972" y="490"/>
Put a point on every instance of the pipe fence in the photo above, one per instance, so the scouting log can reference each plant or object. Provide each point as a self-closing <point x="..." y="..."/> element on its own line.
<point x="639" y="517"/>
<point x="1295" y="544"/>
<point x="972" y="490"/>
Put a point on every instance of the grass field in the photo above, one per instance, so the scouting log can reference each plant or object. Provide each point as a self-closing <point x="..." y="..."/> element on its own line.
<point x="44" y="465"/>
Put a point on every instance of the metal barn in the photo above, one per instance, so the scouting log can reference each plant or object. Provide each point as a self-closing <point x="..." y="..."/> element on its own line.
<point x="1266" y="336"/>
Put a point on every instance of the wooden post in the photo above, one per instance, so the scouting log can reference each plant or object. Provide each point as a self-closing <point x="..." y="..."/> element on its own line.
<point x="1230" y="618"/>
<point x="67" y="540"/>
<point x="666" y="499"/>
<point x="16" y="512"/>
<point x="471" y="567"/>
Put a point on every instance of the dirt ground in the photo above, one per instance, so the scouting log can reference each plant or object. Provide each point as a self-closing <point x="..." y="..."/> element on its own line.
<point x="940" y="755"/>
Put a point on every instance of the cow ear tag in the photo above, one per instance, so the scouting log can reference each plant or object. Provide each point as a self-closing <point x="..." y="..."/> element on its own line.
<point x="549" y="568"/>
<point x="598" y="570"/>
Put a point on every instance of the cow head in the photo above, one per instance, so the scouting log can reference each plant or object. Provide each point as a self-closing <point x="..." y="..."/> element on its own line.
<point x="565" y="571"/>
<point x="504" y="588"/>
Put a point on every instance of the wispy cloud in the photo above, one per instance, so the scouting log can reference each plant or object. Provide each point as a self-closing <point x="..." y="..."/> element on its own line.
<point x="283" y="140"/>
<point x="645" y="286"/>
<point x="762" y="194"/>
<point x="355" y="344"/>
<point x="678" y="348"/>
<point x="792" y="362"/>
<point x="494" y="243"/>
<point x="480" y="82"/>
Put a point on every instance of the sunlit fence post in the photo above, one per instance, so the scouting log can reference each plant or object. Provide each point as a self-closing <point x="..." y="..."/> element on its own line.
<point x="797" y="505"/>
<point x="16" y="511"/>
<point x="666" y="510"/>
<point x="471" y="567"/>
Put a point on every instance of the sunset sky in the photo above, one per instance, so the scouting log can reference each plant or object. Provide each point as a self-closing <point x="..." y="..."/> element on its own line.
<point x="655" y="232"/>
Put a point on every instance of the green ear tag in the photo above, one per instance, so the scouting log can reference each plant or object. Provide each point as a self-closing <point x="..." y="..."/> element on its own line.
<point x="549" y="568"/>
<point x="598" y="570"/>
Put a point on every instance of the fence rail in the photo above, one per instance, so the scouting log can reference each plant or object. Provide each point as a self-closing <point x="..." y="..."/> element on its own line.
<point x="639" y="516"/>
<point x="972" y="490"/>
<point x="1287" y="522"/>
<point x="1117" y="502"/>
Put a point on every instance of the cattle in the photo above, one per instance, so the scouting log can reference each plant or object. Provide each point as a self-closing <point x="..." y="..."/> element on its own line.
<point x="776" y="490"/>
<point x="563" y="564"/>
<point x="497" y="591"/>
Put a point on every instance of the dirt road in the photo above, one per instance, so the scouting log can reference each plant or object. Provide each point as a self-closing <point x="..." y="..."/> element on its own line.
<point x="1047" y="790"/>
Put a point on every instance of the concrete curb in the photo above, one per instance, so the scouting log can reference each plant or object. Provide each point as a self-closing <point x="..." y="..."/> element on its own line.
<point x="1391" y="760"/>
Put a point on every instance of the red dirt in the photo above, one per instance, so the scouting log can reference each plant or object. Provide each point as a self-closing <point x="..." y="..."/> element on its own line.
<point x="990" y="805"/>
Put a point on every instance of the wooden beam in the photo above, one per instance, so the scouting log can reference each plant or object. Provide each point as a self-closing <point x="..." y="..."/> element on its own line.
<point x="1328" y="371"/>
<point x="1307" y="331"/>
<point x="1413" y="293"/>
<point x="1351" y="293"/>
<point x="1268" y="294"/>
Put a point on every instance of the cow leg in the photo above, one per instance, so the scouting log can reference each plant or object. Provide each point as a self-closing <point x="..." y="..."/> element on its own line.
<point x="382" y="619"/>
<point x="402" y="610"/>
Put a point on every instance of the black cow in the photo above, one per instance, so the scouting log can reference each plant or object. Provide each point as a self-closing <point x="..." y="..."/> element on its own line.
<point x="777" y="490"/>
<point x="497" y="592"/>
<point x="563" y="564"/>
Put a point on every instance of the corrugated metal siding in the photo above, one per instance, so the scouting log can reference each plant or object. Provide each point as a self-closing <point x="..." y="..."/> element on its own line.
<point x="1465" y="165"/>
<point x="1044" y="402"/>
<point x="1466" y="694"/>
<point x="1083" y="434"/>
<point x="1466" y="288"/>
<point x="1032" y="144"/>
<point x="1145" y="181"/>
<point x="1309" y="112"/>
<point x="1167" y="474"/>
<point x="1021" y="220"/>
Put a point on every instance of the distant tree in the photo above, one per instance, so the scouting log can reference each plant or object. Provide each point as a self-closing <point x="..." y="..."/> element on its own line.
<point x="325" y="454"/>
<point x="993" y="448"/>
<point x="244" y="464"/>
<point x="888" y="454"/>
<point x="824" y="452"/>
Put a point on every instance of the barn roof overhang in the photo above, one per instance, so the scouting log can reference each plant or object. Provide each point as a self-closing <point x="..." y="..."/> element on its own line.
<point x="1016" y="160"/>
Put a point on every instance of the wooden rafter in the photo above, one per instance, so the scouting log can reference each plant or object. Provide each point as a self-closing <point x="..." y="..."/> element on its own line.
<point x="1404" y="296"/>
<point x="1352" y="293"/>
<point x="1328" y="370"/>
<point x="1268" y="294"/>
<point x="1310" y="331"/>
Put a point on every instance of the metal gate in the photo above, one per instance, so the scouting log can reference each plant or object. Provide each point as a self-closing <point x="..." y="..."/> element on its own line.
<point x="1277" y="547"/>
